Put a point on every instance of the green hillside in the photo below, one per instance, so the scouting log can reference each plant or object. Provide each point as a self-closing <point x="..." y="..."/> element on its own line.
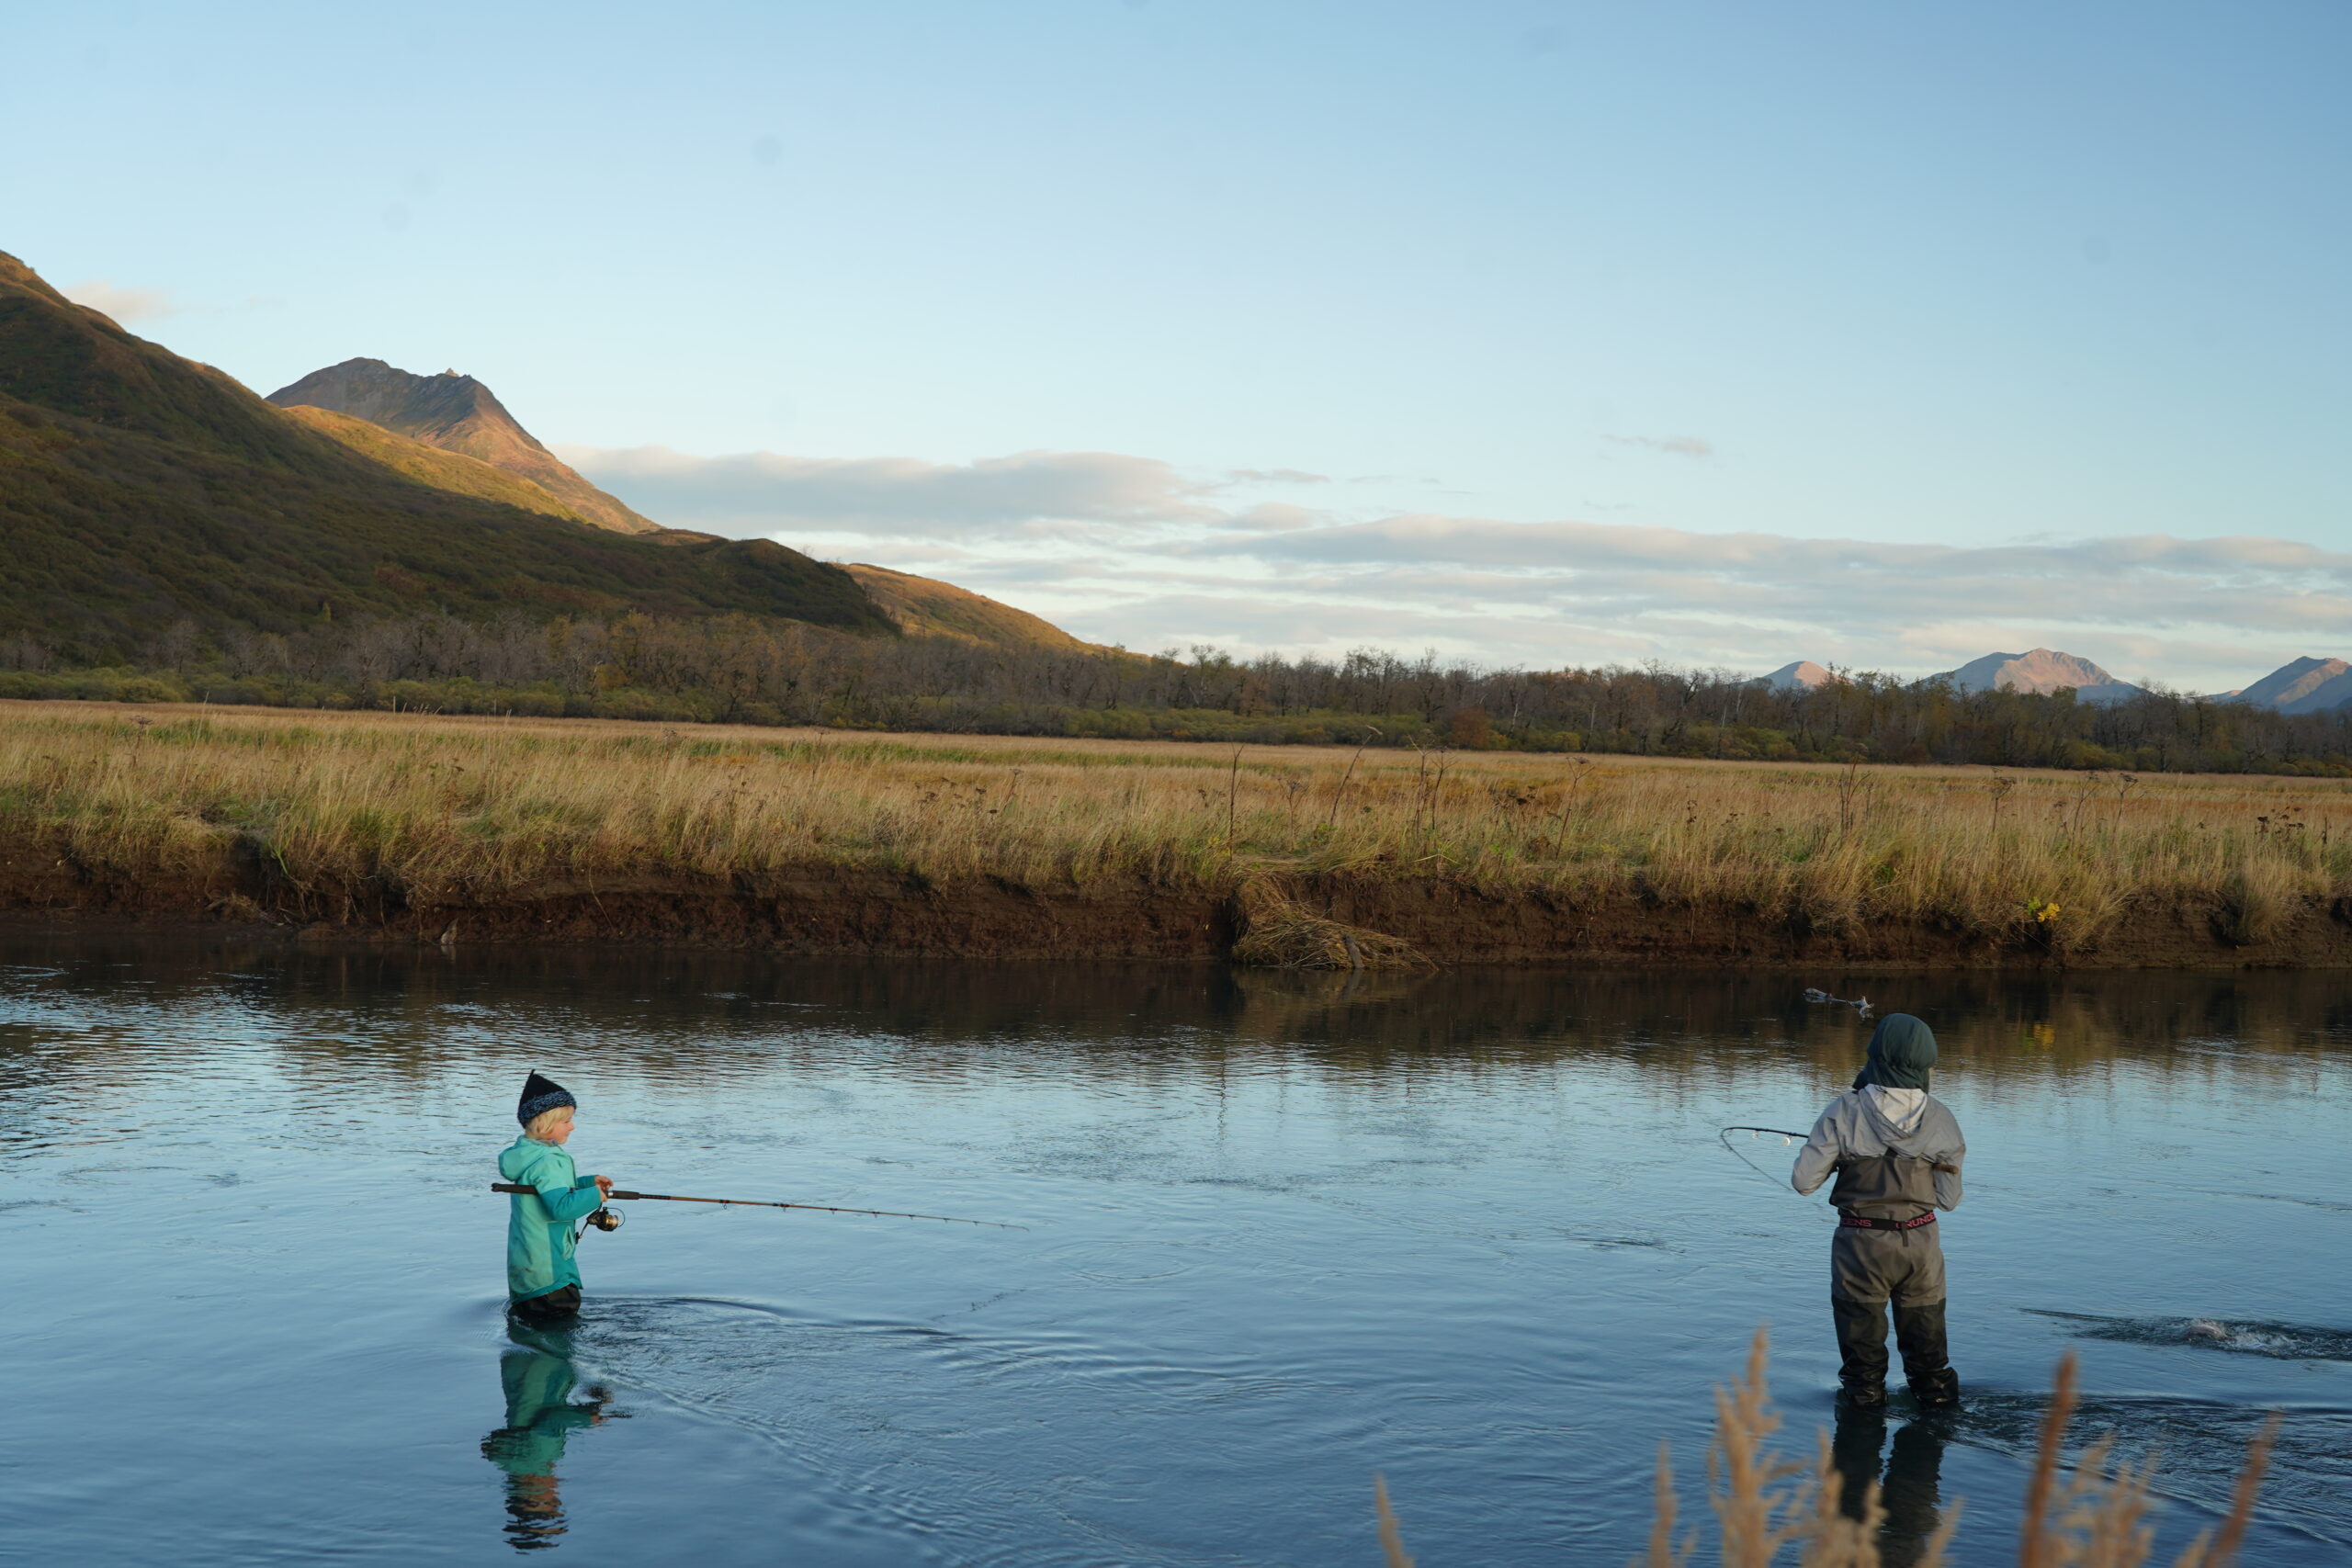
<point x="138" y="489"/>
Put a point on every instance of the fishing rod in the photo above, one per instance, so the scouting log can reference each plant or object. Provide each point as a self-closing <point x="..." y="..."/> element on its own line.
<point x="617" y="1195"/>
<point x="1786" y="1138"/>
<point x="1783" y="1133"/>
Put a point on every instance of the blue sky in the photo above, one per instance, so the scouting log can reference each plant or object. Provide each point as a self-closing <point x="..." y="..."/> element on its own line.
<point x="1878" y="333"/>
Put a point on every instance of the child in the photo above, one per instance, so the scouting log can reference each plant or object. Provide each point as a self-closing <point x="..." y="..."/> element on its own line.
<point x="1897" y="1153"/>
<point x="542" y="1281"/>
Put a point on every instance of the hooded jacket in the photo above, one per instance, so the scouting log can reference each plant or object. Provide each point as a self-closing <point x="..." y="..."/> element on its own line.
<point x="539" y="1238"/>
<point x="1856" y="1127"/>
<point x="1902" y="1054"/>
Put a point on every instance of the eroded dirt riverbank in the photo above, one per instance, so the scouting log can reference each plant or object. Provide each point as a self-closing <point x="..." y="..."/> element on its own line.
<point x="835" y="910"/>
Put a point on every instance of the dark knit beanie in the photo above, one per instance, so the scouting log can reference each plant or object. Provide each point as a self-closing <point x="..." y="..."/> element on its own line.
<point x="541" y="1094"/>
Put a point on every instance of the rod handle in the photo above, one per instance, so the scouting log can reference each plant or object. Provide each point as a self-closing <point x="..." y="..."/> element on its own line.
<point x="518" y="1187"/>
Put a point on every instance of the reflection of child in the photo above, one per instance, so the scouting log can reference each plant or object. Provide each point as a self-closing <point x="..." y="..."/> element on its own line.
<point x="539" y="1417"/>
<point x="542" y="1279"/>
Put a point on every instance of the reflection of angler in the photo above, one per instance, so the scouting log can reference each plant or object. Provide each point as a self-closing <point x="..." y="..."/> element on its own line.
<point x="540" y="1418"/>
<point x="1910" y="1492"/>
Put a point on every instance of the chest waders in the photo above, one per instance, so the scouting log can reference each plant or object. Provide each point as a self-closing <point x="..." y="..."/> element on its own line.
<point x="1885" y="1252"/>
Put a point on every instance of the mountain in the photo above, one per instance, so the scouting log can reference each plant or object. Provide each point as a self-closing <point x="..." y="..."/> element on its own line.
<point x="431" y="465"/>
<point x="139" y="489"/>
<point x="455" y="413"/>
<point x="923" y="606"/>
<point x="2039" y="670"/>
<point x="2302" y="685"/>
<point x="1804" y="674"/>
<point x="451" y="431"/>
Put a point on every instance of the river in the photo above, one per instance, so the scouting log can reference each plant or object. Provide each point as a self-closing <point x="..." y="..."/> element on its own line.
<point x="1475" y="1232"/>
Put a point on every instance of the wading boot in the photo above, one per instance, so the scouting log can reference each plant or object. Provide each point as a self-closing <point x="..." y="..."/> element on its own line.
<point x="554" y="1309"/>
<point x="1861" y="1398"/>
<point x="1937" y="1391"/>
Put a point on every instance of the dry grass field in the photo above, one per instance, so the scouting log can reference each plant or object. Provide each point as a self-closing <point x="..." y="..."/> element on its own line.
<point x="489" y="806"/>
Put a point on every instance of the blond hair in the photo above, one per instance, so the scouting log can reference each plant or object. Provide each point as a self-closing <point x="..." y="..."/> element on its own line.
<point x="544" y="1122"/>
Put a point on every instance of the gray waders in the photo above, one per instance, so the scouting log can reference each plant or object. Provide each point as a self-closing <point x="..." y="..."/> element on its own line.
<point x="1886" y="1251"/>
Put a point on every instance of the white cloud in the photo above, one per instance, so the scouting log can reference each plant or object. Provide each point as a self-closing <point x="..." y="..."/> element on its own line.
<point x="122" y="304"/>
<point x="768" y="490"/>
<point x="1129" y="549"/>
<point x="1277" y="476"/>
<point x="1673" y="445"/>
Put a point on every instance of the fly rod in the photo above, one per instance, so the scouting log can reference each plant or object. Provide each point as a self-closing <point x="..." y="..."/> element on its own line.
<point x="1788" y="1137"/>
<point x="617" y="1195"/>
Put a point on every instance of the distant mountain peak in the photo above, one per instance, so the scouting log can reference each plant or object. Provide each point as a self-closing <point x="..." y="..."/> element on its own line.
<point x="2302" y="685"/>
<point x="2043" y="670"/>
<point x="1802" y="674"/>
<point x="456" y="413"/>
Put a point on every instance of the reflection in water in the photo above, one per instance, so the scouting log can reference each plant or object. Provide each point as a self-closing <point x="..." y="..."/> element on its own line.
<point x="537" y="1376"/>
<point x="1251" y="1195"/>
<point x="2200" y="1446"/>
<point x="1909" y="1485"/>
<point x="726" y="1008"/>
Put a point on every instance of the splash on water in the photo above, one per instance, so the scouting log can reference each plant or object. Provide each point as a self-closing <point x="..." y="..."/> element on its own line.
<point x="2282" y="1341"/>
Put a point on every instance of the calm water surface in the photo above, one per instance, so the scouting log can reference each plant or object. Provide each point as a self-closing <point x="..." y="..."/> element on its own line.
<point x="1476" y="1233"/>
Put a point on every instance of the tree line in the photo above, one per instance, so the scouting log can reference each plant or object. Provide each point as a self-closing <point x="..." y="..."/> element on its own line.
<point x="752" y="671"/>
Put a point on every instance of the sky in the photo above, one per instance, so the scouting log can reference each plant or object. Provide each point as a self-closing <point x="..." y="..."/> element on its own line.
<point x="1884" y="335"/>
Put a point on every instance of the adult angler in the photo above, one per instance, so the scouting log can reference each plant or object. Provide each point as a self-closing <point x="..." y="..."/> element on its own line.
<point x="1897" y="1153"/>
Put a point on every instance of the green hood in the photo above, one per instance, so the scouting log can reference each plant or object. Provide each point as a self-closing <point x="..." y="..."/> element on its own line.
<point x="1902" y="1054"/>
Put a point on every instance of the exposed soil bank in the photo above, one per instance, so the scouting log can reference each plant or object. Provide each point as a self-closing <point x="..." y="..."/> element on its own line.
<point x="839" y="910"/>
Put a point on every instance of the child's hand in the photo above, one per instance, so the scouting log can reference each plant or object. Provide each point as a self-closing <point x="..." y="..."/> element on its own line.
<point x="603" y="1187"/>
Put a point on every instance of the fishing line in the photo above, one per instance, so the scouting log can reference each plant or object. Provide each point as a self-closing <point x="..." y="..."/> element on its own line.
<point x="1783" y="1133"/>
<point x="1786" y="1138"/>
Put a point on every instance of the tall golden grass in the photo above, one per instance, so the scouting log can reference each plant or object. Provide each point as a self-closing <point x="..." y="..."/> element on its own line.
<point x="485" y="805"/>
<point x="2093" y="1515"/>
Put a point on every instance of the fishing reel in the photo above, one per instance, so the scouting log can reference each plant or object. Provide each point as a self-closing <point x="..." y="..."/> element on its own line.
<point x="604" y="1219"/>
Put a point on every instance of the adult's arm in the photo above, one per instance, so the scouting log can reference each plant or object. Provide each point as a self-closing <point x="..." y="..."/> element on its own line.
<point x="1947" y="1181"/>
<point x="1818" y="1158"/>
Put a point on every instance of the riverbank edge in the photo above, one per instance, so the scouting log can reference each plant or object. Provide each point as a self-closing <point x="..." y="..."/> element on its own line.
<point x="833" y="910"/>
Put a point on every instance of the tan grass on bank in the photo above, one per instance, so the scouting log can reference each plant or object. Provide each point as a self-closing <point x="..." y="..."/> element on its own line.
<point x="486" y="805"/>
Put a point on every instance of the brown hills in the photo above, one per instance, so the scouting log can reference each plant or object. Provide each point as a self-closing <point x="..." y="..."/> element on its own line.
<point x="452" y="432"/>
<point x="140" y="491"/>
<point x="452" y="471"/>
<point x="924" y="606"/>
<point x="457" y="413"/>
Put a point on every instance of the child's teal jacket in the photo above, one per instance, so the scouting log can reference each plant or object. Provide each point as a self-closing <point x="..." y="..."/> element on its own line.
<point x="538" y="1224"/>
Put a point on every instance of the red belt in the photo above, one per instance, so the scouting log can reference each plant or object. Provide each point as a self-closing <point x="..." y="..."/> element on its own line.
<point x="1864" y="1223"/>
